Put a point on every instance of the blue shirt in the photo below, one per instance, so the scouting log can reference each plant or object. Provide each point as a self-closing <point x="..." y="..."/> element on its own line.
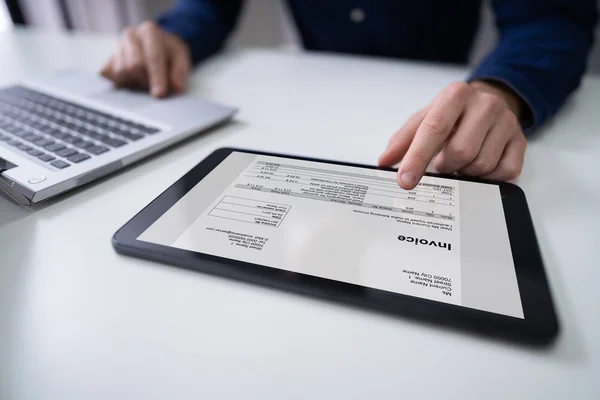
<point x="541" y="54"/>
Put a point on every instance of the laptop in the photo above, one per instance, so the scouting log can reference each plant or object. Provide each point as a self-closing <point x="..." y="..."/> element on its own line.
<point x="64" y="130"/>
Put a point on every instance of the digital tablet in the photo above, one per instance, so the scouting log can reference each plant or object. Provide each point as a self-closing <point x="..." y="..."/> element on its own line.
<point x="454" y="250"/>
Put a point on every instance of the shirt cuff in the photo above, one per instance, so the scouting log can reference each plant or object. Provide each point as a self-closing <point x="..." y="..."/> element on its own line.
<point x="190" y="33"/>
<point x="518" y="83"/>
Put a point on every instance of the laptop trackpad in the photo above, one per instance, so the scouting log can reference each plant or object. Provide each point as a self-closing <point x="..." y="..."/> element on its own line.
<point x="124" y="99"/>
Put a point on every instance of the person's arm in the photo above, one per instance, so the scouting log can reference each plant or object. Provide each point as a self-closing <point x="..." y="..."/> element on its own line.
<point x="204" y="25"/>
<point x="541" y="54"/>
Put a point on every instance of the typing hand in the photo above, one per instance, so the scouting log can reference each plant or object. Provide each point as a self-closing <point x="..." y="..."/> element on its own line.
<point x="471" y="129"/>
<point x="149" y="58"/>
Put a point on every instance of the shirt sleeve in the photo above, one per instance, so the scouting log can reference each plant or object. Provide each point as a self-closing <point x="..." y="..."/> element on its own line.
<point x="542" y="52"/>
<point x="203" y="24"/>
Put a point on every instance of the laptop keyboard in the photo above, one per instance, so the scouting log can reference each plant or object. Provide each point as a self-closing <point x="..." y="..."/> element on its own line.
<point x="61" y="133"/>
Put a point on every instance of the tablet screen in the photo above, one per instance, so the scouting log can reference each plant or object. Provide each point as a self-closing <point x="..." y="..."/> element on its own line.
<point x="446" y="240"/>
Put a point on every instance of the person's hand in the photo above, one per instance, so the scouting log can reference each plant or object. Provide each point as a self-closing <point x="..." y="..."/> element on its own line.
<point x="149" y="58"/>
<point x="471" y="129"/>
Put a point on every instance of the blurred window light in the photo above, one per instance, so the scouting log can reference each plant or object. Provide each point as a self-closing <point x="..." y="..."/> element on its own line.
<point x="5" y="20"/>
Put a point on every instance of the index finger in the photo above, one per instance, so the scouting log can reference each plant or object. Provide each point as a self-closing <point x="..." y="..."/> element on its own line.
<point x="431" y="135"/>
<point x="155" y="57"/>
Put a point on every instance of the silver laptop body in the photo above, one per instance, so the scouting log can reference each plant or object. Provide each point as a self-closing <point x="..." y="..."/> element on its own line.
<point x="65" y="130"/>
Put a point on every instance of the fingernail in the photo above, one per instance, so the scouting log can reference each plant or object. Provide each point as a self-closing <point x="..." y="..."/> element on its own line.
<point x="408" y="179"/>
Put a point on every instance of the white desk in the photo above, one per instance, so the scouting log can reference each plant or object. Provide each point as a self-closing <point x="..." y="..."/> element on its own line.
<point x="78" y="321"/>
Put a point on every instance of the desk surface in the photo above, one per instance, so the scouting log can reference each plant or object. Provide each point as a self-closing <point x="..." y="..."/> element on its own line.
<point x="79" y="321"/>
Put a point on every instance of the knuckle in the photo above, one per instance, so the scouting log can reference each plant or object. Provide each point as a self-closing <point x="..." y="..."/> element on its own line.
<point x="519" y="138"/>
<point x="510" y="118"/>
<point x="491" y="104"/>
<point x="136" y="63"/>
<point x="435" y="125"/>
<point x="465" y="152"/>
<point x="512" y="170"/>
<point x="128" y="32"/>
<point x="459" y="89"/>
<point x="417" y="159"/>
<point x="153" y="58"/>
<point x="181" y="61"/>
<point x="147" y="27"/>
<point x="482" y="165"/>
<point x="175" y="42"/>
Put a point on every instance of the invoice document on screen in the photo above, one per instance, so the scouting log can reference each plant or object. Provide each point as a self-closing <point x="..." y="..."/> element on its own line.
<point x="353" y="225"/>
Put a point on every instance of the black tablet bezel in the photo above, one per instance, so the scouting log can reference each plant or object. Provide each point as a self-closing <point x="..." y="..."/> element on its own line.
<point x="540" y="325"/>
